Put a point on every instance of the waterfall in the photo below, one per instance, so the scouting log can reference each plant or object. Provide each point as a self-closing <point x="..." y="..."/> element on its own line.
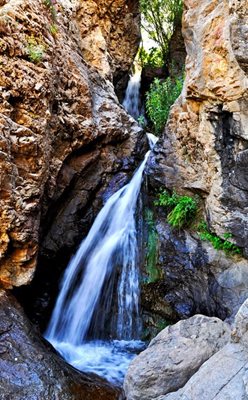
<point x="110" y="244"/>
<point x="131" y="101"/>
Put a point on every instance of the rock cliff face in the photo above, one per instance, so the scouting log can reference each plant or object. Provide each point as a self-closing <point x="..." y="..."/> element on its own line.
<point x="60" y="122"/>
<point x="204" y="149"/>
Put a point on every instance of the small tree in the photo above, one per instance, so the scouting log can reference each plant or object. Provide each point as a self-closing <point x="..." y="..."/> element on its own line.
<point x="160" y="20"/>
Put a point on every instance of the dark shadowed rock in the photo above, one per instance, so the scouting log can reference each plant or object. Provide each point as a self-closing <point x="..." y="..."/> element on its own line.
<point x="31" y="370"/>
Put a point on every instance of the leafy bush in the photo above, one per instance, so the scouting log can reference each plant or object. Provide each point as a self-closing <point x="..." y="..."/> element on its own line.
<point x="160" y="18"/>
<point x="160" y="98"/>
<point x="152" y="58"/>
<point x="183" y="208"/>
<point x="217" y="242"/>
<point x="53" y="29"/>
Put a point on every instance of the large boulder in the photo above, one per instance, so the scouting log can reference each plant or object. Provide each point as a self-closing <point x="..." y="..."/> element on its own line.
<point x="174" y="356"/>
<point x="30" y="370"/>
<point x="225" y="375"/>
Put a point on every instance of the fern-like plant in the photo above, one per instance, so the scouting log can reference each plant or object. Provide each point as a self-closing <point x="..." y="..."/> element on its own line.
<point x="217" y="242"/>
<point x="183" y="209"/>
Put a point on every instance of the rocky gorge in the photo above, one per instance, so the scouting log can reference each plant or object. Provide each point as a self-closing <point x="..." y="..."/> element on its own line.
<point x="67" y="145"/>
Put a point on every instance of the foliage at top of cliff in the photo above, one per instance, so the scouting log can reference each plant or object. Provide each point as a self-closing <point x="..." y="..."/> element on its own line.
<point x="160" y="17"/>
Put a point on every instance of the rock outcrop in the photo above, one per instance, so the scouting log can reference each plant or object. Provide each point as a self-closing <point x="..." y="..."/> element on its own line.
<point x="194" y="278"/>
<point x="174" y="356"/>
<point x="204" y="149"/>
<point x="223" y="376"/>
<point x="29" y="369"/>
<point x="60" y="122"/>
<point x="203" y="152"/>
<point x="176" y="365"/>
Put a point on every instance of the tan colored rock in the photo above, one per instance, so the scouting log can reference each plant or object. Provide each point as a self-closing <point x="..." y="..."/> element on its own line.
<point x="204" y="146"/>
<point x="173" y="357"/>
<point x="53" y="109"/>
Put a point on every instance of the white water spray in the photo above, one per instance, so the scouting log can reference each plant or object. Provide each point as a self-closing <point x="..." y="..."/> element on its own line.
<point x="111" y="243"/>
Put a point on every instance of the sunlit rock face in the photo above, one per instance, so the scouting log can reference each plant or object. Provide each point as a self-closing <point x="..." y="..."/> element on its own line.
<point x="205" y="142"/>
<point x="63" y="132"/>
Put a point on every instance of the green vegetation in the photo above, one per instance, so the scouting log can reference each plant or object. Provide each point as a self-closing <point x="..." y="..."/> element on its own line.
<point x="217" y="242"/>
<point x="141" y="121"/>
<point x="183" y="209"/>
<point x="152" y="58"/>
<point x="160" y="19"/>
<point x="159" y="99"/>
<point x="53" y="29"/>
<point x="50" y="6"/>
<point x="151" y="257"/>
<point x="35" y="49"/>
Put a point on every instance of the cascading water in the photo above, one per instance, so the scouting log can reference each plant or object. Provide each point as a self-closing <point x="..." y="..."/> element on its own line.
<point x="131" y="102"/>
<point x="111" y="244"/>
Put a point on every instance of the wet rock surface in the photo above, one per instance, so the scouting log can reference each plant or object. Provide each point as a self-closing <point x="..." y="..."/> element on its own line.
<point x="194" y="278"/>
<point x="30" y="370"/>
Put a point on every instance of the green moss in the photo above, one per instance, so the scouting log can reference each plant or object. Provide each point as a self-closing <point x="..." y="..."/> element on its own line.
<point x="152" y="270"/>
<point x="182" y="209"/>
<point x="53" y="29"/>
<point x="217" y="242"/>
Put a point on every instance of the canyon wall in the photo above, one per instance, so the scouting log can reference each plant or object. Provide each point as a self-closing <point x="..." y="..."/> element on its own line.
<point x="204" y="149"/>
<point x="203" y="152"/>
<point x="64" y="136"/>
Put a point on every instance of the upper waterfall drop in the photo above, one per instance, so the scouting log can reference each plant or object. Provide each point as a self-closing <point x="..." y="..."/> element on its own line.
<point x="131" y="102"/>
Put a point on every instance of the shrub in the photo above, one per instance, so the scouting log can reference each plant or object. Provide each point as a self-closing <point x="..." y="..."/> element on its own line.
<point x="152" y="58"/>
<point x="183" y="208"/>
<point x="160" y="98"/>
<point x="217" y="242"/>
<point x="53" y="29"/>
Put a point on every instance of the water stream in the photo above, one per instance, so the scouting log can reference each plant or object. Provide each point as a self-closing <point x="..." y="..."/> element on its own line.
<point x="87" y="327"/>
<point x="131" y="102"/>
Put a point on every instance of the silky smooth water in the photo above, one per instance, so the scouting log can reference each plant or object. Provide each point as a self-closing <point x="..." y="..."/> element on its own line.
<point x="110" y="247"/>
<point x="131" y="102"/>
